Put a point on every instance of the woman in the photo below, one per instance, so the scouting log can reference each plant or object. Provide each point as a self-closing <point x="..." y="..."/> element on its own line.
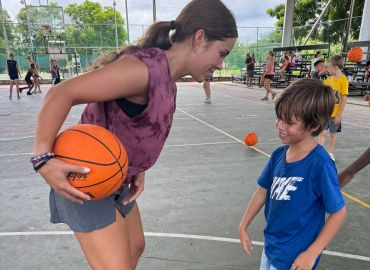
<point x="132" y="93"/>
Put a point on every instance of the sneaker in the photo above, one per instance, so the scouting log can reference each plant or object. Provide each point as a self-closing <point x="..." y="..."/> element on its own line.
<point x="265" y="98"/>
<point x="29" y="94"/>
<point x="39" y="92"/>
<point x="273" y="94"/>
<point x="207" y="100"/>
<point x="10" y="98"/>
<point x="18" y="97"/>
<point x="332" y="156"/>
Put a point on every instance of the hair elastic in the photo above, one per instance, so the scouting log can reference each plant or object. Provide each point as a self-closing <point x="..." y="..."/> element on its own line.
<point x="172" y="25"/>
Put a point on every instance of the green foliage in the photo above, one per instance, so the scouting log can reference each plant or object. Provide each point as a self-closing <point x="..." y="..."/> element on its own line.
<point x="278" y="12"/>
<point x="94" y="25"/>
<point x="8" y="28"/>
<point x="332" y="31"/>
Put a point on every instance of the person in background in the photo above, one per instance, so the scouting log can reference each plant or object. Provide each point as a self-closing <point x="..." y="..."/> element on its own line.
<point x="320" y="71"/>
<point x="249" y="65"/>
<point x="313" y="61"/>
<point x="361" y="162"/>
<point x="54" y="70"/>
<point x="14" y="74"/>
<point x="339" y="83"/>
<point x="207" y="88"/>
<point x="36" y="74"/>
<point x="268" y="75"/>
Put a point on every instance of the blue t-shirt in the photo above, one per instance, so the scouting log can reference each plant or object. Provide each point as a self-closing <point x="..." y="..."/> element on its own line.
<point x="298" y="196"/>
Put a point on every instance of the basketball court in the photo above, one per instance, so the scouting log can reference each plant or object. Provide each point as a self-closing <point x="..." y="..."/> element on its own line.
<point x="194" y="196"/>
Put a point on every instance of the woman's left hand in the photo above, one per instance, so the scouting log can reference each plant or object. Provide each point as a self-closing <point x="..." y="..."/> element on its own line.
<point x="136" y="188"/>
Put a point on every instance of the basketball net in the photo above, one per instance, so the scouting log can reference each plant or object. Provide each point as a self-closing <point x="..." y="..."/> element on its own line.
<point x="46" y="29"/>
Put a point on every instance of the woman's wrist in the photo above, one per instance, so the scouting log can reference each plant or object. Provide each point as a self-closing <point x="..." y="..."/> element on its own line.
<point x="39" y="160"/>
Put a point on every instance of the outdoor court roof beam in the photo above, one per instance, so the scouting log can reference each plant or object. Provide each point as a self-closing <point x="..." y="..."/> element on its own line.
<point x="359" y="44"/>
<point x="288" y="23"/>
<point x="302" y="47"/>
<point x="365" y="24"/>
<point x="316" y="23"/>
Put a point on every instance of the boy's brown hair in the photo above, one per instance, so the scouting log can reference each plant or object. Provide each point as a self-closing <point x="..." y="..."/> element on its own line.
<point x="308" y="100"/>
<point x="337" y="60"/>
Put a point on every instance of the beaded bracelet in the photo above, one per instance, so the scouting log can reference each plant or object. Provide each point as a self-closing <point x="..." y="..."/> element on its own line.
<point x="40" y="160"/>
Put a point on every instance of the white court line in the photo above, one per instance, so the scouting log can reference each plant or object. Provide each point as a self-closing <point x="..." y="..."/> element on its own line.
<point x="196" y="144"/>
<point x="18" y="138"/>
<point x="245" y="99"/>
<point x="19" y="154"/>
<point x="183" y="236"/>
<point x="33" y="114"/>
<point x="219" y="130"/>
<point x="31" y="124"/>
<point x="355" y="124"/>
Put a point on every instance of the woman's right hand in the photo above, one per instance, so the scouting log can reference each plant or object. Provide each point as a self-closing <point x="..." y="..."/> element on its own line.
<point x="55" y="173"/>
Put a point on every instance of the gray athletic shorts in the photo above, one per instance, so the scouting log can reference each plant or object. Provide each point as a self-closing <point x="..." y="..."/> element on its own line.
<point x="250" y="73"/>
<point x="333" y="127"/>
<point x="90" y="216"/>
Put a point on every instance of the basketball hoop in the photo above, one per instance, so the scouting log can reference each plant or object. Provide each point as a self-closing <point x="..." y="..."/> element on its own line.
<point x="46" y="29"/>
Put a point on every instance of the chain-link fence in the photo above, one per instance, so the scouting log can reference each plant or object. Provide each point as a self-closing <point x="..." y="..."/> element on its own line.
<point x="76" y="47"/>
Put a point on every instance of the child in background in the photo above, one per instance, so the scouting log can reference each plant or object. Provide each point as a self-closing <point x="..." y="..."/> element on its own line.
<point x="207" y="88"/>
<point x="269" y="76"/>
<point x="339" y="83"/>
<point x="299" y="184"/>
<point x="320" y="70"/>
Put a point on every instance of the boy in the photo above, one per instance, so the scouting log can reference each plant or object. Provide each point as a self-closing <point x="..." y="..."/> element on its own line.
<point x="298" y="185"/>
<point x="320" y="71"/>
<point x="339" y="83"/>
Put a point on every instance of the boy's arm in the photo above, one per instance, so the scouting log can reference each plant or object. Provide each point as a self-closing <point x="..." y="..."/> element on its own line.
<point x="306" y="259"/>
<point x="254" y="206"/>
<point x="343" y="102"/>
<point x="346" y="176"/>
<point x="343" y="93"/>
<point x="331" y="227"/>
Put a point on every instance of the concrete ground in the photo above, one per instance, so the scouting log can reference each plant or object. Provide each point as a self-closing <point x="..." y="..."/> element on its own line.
<point x="194" y="196"/>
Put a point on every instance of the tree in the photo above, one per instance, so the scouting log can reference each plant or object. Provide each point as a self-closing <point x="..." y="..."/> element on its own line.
<point x="334" y="19"/>
<point x="29" y="26"/>
<point x="94" y="26"/>
<point x="8" y="28"/>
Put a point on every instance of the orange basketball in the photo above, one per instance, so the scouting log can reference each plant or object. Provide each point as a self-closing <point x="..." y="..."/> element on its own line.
<point x="355" y="55"/>
<point x="98" y="149"/>
<point x="250" y="139"/>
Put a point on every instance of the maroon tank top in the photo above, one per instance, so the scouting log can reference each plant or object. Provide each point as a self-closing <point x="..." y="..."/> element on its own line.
<point x="143" y="135"/>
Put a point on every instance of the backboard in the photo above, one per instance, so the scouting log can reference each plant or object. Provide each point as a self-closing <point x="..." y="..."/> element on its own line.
<point x="45" y="15"/>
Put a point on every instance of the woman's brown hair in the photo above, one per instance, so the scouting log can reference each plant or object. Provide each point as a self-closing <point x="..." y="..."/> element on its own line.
<point x="212" y="16"/>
